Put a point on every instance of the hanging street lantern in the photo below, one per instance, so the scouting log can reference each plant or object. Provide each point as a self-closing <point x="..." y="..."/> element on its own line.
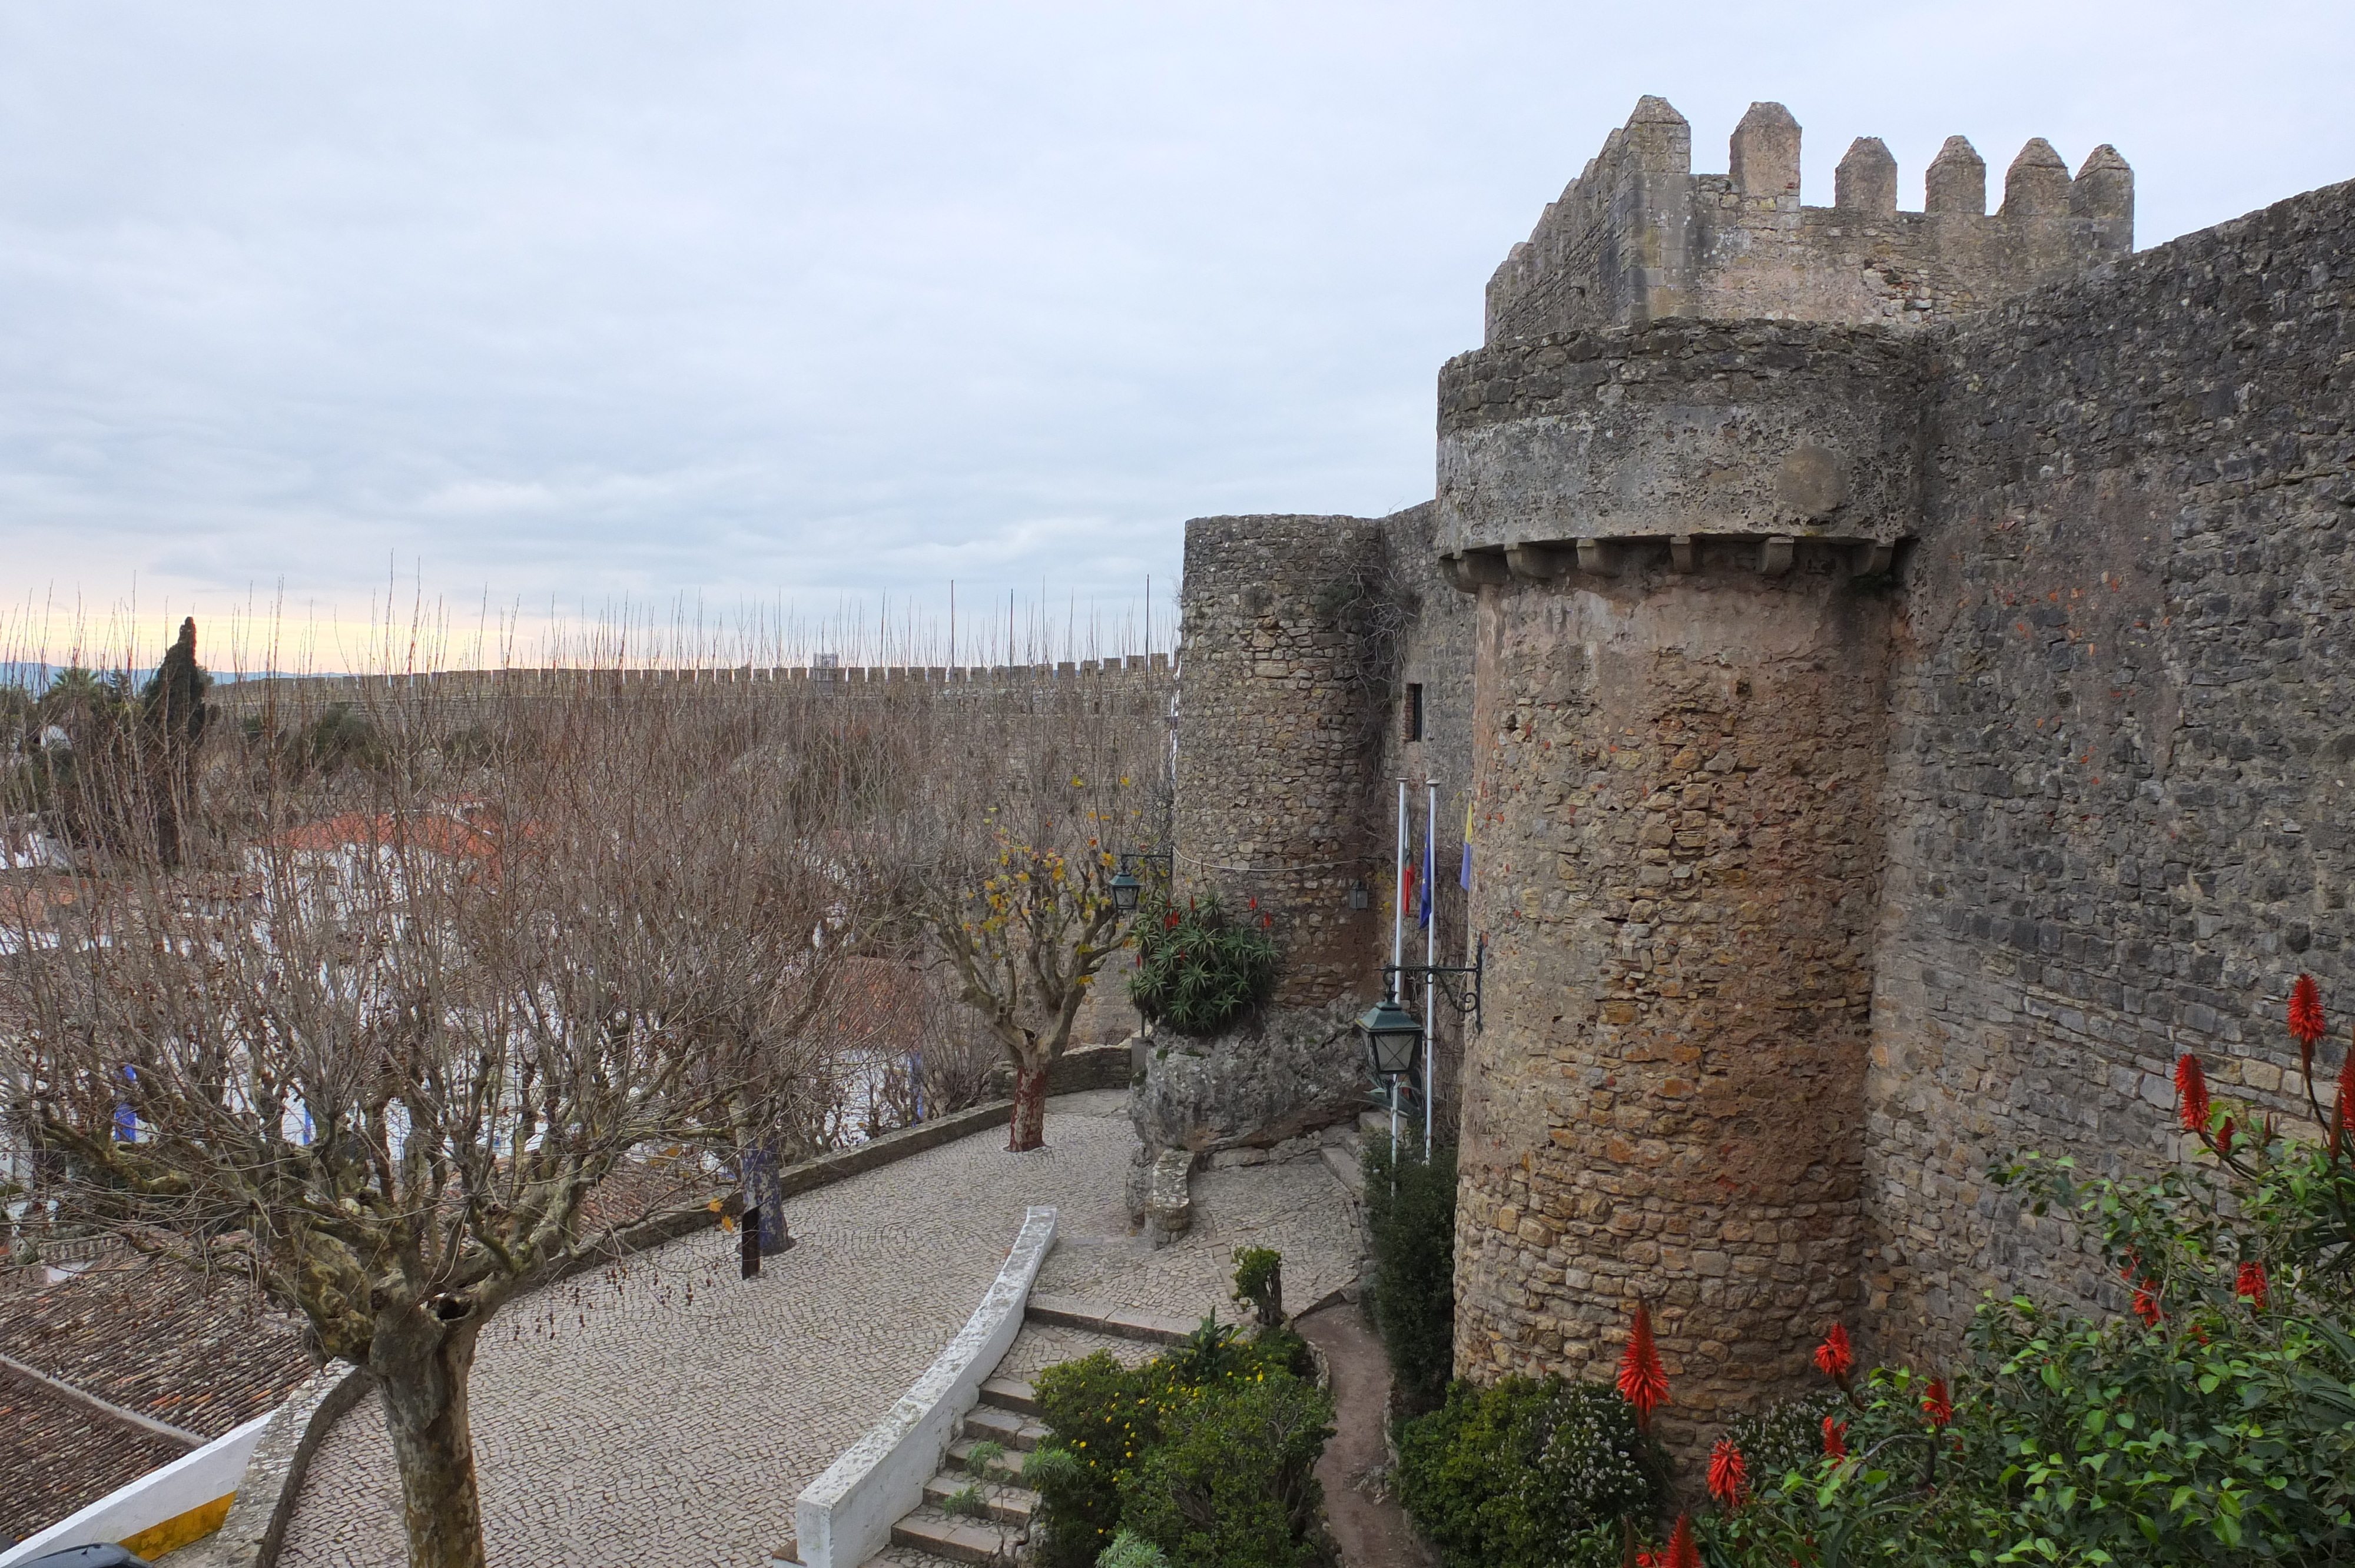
<point x="1126" y="889"/>
<point x="1392" y="1035"/>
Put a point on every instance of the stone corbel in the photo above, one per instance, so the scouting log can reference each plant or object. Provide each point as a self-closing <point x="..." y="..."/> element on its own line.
<point x="1684" y="554"/>
<point x="1775" y="553"/>
<point x="1535" y="563"/>
<point x="1598" y="558"/>
<point x="1486" y="568"/>
<point x="1871" y="560"/>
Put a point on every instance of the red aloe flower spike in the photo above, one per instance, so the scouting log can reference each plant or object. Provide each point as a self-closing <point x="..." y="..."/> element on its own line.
<point x="2306" y="1025"/>
<point x="1682" y="1553"/>
<point x="1834" y="1357"/>
<point x="1835" y="1438"/>
<point x="1936" y="1404"/>
<point x="1642" y="1381"/>
<point x="2345" y="1117"/>
<point x="2146" y="1304"/>
<point x="2250" y="1284"/>
<point x="1727" y="1474"/>
<point x="2191" y="1094"/>
<point x="2224" y="1136"/>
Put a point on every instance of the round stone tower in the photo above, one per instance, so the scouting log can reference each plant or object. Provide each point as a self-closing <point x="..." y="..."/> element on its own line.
<point x="1276" y="733"/>
<point x="1681" y="534"/>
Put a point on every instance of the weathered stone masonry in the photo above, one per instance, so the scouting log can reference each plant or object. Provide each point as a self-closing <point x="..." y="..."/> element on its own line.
<point x="1677" y="744"/>
<point x="2122" y="733"/>
<point x="1899" y="727"/>
<point x="1275" y="799"/>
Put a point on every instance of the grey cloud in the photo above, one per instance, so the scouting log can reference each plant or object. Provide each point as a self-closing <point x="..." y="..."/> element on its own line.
<point x="747" y="300"/>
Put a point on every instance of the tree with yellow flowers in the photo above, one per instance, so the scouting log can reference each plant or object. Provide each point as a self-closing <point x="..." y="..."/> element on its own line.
<point x="1026" y="941"/>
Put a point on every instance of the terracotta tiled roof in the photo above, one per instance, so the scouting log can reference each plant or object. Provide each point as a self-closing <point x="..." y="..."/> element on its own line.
<point x="37" y="900"/>
<point x="431" y="830"/>
<point x="58" y="1455"/>
<point x="204" y="1356"/>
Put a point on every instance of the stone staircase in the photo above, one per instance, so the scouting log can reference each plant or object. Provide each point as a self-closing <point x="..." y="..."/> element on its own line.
<point x="969" y="1517"/>
<point x="1346" y="1159"/>
<point x="992" y="1525"/>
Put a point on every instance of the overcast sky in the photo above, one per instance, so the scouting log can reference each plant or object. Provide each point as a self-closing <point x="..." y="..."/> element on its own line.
<point x="567" y="305"/>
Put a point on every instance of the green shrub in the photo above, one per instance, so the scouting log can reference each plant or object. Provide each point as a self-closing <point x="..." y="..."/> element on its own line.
<point x="1411" y="1209"/>
<point x="981" y="1456"/>
<point x="1230" y="1485"/>
<point x="1105" y="1418"/>
<point x="1786" y="1436"/>
<point x="2201" y="1429"/>
<point x="1259" y="1283"/>
<point x="1130" y="1550"/>
<point x="1528" y="1474"/>
<point x="1198" y="969"/>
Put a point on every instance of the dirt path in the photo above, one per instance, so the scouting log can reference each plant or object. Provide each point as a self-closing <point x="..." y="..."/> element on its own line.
<point x="1368" y="1526"/>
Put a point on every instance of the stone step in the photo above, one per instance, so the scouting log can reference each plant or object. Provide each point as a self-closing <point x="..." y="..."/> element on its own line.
<point x="897" y="1556"/>
<point x="1343" y="1160"/>
<point x="1007" y="1467"/>
<point x="1009" y="1427"/>
<point x="1010" y="1394"/>
<point x="1043" y="1345"/>
<point x="1007" y="1505"/>
<point x="927" y="1529"/>
<point x="1106" y="1317"/>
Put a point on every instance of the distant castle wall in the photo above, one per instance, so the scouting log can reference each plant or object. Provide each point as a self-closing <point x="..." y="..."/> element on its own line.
<point x="1138" y="681"/>
<point x="1638" y="236"/>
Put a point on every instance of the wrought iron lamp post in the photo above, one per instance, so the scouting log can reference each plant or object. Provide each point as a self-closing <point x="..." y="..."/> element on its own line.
<point x="1392" y="1031"/>
<point x="1127" y="887"/>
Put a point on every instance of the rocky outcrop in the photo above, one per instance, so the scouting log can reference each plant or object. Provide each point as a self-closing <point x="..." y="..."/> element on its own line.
<point x="1292" y="1071"/>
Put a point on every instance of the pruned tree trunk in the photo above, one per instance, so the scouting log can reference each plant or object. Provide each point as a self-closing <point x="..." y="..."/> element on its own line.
<point x="422" y="1367"/>
<point x="1029" y="1108"/>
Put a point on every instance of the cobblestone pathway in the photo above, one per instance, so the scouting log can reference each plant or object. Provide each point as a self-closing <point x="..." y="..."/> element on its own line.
<point x="672" y="1416"/>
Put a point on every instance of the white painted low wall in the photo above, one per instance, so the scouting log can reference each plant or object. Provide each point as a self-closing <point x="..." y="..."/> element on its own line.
<point x="211" y="1472"/>
<point x="845" y="1516"/>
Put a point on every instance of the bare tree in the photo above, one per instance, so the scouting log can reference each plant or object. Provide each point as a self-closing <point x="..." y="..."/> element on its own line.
<point x="384" y="1071"/>
<point x="1012" y="887"/>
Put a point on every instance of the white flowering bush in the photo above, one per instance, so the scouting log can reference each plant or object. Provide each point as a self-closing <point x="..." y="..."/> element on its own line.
<point x="1529" y="1474"/>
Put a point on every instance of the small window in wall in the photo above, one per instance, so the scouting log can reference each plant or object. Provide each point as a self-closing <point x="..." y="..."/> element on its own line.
<point x="1414" y="712"/>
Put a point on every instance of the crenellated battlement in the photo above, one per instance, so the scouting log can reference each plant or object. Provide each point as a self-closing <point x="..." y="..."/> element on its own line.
<point x="1638" y="236"/>
<point x="458" y="690"/>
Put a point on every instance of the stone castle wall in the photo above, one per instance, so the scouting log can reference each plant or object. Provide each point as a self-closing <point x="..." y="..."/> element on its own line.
<point x="1895" y="734"/>
<point x="1638" y="236"/>
<point x="2119" y="811"/>
<point x="1277" y="713"/>
<point x="1676" y="772"/>
<point x="1434" y="657"/>
<point x="1137" y="681"/>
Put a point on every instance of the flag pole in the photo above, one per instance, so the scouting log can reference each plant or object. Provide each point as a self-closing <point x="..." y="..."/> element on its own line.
<point x="1398" y="952"/>
<point x="1430" y="953"/>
